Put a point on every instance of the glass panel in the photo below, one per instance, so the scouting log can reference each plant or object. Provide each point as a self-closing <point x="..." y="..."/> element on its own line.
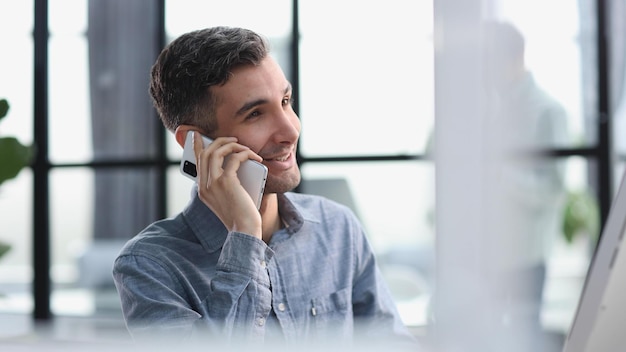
<point x="70" y="125"/>
<point x="504" y="264"/>
<point x="561" y="59"/>
<point x="16" y="231"/>
<point x="188" y="15"/>
<point x="569" y="255"/>
<point x="71" y="232"/>
<point x="86" y="238"/>
<point x="16" y="85"/>
<point x="16" y="68"/>
<point x="397" y="216"/>
<point x="179" y="190"/>
<point x="365" y="88"/>
<point x="103" y="51"/>
<point x="551" y="69"/>
<point x="617" y="38"/>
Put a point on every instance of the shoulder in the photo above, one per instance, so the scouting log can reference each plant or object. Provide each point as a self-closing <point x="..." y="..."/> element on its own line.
<point x="307" y="200"/>
<point x="327" y="218"/>
<point x="319" y="206"/>
<point x="542" y="99"/>
<point x="159" y="237"/>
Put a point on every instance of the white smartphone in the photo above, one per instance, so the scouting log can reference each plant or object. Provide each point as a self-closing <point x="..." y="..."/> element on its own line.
<point x="252" y="174"/>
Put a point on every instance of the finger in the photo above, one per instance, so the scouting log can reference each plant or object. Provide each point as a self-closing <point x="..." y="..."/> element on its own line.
<point x="203" y="157"/>
<point x="236" y="159"/>
<point x="215" y="155"/>
<point x="226" y="149"/>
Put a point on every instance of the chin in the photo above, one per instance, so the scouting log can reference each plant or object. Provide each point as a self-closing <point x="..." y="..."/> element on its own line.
<point x="283" y="184"/>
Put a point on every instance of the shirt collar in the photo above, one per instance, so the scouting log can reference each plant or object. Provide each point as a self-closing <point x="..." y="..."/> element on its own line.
<point x="207" y="227"/>
<point x="291" y="214"/>
<point x="211" y="232"/>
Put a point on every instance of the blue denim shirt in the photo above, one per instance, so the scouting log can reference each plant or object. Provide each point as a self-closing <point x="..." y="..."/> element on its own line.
<point x="188" y="277"/>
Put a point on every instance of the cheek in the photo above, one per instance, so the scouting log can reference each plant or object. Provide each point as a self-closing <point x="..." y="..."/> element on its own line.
<point x="255" y="139"/>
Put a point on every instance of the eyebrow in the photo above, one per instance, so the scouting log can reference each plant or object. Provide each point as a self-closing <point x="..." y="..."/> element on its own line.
<point x="251" y="104"/>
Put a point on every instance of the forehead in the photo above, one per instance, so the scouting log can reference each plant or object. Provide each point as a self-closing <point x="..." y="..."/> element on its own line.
<point x="254" y="78"/>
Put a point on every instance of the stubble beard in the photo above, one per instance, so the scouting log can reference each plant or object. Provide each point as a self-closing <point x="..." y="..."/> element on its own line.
<point x="286" y="182"/>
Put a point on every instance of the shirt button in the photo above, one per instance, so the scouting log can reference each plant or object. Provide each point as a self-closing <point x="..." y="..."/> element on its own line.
<point x="281" y="307"/>
<point x="263" y="264"/>
<point x="260" y="322"/>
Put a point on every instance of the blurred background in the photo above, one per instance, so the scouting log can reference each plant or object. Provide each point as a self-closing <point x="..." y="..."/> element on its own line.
<point x="478" y="142"/>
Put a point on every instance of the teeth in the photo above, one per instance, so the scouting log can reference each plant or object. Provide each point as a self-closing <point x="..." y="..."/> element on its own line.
<point x="283" y="158"/>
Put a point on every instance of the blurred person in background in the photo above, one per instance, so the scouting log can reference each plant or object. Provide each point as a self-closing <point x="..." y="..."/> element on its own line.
<point x="526" y="194"/>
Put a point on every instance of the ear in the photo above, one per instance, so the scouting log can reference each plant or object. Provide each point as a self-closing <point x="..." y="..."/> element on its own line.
<point x="181" y="133"/>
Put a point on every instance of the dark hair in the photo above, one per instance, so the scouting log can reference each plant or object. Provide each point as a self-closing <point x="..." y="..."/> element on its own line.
<point x="187" y="68"/>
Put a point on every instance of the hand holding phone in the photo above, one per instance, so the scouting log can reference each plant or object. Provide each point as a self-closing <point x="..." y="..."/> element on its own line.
<point x="251" y="173"/>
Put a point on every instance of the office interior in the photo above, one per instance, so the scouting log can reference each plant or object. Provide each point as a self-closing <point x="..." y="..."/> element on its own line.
<point x="406" y="117"/>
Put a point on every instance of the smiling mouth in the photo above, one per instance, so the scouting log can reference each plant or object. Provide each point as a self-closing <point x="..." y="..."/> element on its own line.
<point x="282" y="158"/>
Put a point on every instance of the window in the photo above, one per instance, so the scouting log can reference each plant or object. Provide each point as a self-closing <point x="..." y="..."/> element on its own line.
<point x="367" y="89"/>
<point x="16" y="85"/>
<point x="366" y="105"/>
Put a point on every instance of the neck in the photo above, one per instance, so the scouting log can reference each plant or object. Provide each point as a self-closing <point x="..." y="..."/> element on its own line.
<point x="269" y="216"/>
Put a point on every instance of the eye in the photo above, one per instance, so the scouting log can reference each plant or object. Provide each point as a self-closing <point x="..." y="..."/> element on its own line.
<point x="287" y="101"/>
<point x="253" y="114"/>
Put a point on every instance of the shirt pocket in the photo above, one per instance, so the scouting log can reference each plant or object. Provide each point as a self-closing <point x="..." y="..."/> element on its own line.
<point x="331" y="315"/>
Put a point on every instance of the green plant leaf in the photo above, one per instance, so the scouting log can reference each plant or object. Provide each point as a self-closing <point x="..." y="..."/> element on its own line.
<point x="4" y="108"/>
<point x="13" y="157"/>
<point x="581" y="216"/>
<point x="4" y="248"/>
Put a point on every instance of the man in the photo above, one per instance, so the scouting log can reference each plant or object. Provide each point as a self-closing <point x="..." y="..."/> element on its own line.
<point x="295" y="271"/>
<point x="526" y="192"/>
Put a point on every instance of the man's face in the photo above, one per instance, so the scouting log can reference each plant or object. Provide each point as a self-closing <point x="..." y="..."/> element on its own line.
<point x="255" y="106"/>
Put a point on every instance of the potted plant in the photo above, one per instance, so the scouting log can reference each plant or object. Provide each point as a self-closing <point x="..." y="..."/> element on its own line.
<point x="581" y="217"/>
<point x="14" y="156"/>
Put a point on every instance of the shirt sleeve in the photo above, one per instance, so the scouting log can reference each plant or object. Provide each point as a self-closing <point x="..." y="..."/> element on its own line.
<point x="155" y="306"/>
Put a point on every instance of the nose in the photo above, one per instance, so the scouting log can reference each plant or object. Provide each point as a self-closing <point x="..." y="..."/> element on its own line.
<point x="287" y="128"/>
